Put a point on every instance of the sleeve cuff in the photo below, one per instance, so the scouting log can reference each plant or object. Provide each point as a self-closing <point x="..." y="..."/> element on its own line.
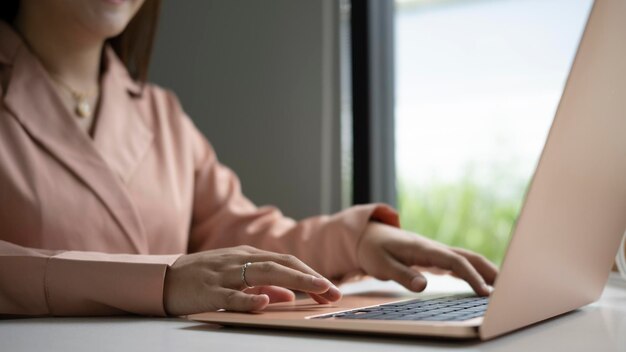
<point x="90" y="283"/>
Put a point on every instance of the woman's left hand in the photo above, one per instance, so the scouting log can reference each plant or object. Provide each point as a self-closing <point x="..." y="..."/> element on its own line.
<point x="388" y="253"/>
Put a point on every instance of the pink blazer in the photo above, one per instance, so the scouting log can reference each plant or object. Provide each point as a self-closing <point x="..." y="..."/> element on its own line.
<point x="89" y="226"/>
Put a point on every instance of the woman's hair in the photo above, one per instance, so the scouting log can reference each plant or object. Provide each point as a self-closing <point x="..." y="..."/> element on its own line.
<point x="133" y="45"/>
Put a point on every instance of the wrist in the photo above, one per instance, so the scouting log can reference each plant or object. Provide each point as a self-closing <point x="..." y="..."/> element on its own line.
<point x="372" y="229"/>
<point x="166" y="289"/>
<point x="168" y="286"/>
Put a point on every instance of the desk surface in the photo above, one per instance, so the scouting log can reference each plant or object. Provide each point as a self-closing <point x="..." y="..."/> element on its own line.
<point x="597" y="327"/>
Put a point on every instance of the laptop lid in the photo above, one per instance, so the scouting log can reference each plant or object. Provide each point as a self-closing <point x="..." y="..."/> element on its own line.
<point x="569" y="229"/>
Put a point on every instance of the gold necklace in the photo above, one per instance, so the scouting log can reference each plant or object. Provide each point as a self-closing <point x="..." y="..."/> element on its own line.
<point x="83" y="107"/>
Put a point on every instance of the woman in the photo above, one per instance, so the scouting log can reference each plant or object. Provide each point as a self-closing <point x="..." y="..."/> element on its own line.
<point x="112" y="202"/>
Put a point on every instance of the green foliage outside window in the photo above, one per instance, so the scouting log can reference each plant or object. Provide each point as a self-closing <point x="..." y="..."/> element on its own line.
<point x="464" y="213"/>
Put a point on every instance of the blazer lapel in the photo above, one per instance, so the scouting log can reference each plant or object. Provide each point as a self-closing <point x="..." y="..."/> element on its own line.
<point x="32" y="98"/>
<point x="122" y="135"/>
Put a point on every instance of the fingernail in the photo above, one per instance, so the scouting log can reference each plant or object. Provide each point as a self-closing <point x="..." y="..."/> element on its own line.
<point x="258" y="298"/>
<point x="319" y="282"/>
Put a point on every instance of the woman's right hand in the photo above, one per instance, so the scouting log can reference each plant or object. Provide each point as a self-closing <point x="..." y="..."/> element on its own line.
<point x="211" y="280"/>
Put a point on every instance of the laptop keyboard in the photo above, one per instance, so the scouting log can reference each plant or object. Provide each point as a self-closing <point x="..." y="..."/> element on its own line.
<point x="438" y="309"/>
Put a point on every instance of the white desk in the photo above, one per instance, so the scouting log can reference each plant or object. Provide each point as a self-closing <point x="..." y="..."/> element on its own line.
<point x="597" y="328"/>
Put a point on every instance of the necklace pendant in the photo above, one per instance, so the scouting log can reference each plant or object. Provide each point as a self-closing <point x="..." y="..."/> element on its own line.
<point x="83" y="108"/>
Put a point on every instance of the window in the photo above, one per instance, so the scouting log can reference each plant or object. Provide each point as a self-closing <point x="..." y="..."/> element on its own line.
<point x="477" y="83"/>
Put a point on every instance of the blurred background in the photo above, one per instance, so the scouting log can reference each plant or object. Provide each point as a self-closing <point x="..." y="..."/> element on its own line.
<point x="460" y="98"/>
<point x="477" y="85"/>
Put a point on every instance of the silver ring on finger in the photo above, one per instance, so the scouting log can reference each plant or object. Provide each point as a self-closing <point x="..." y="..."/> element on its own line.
<point x="243" y="274"/>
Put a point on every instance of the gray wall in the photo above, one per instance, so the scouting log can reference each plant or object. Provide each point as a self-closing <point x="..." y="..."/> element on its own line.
<point x="260" y="80"/>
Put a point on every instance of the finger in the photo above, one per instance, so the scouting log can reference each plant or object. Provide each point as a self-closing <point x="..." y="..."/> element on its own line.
<point x="447" y="259"/>
<point x="275" y="293"/>
<point x="408" y="277"/>
<point x="319" y="298"/>
<point x="271" y="273"/>
<point x="239" y="301"/>
<point x="487" y="269"/>
<point x="287" y="260"/>
<point x="280" y="294"/>
<point x="332" y="295"/>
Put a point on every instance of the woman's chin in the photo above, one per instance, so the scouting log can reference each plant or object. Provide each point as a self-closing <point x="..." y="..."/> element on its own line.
<point x="107" y="24"/>
<point x="108" y="29"/>
<point x="115" y="2"/>
<point x="108" y="18"/>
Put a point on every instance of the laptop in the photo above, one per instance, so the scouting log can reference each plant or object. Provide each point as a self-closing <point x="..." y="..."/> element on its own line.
<point x="566" y="235"/>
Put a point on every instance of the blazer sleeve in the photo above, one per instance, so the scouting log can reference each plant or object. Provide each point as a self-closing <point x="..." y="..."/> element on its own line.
<point x="224" y="217"/>
<point x="36" y="282"/>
